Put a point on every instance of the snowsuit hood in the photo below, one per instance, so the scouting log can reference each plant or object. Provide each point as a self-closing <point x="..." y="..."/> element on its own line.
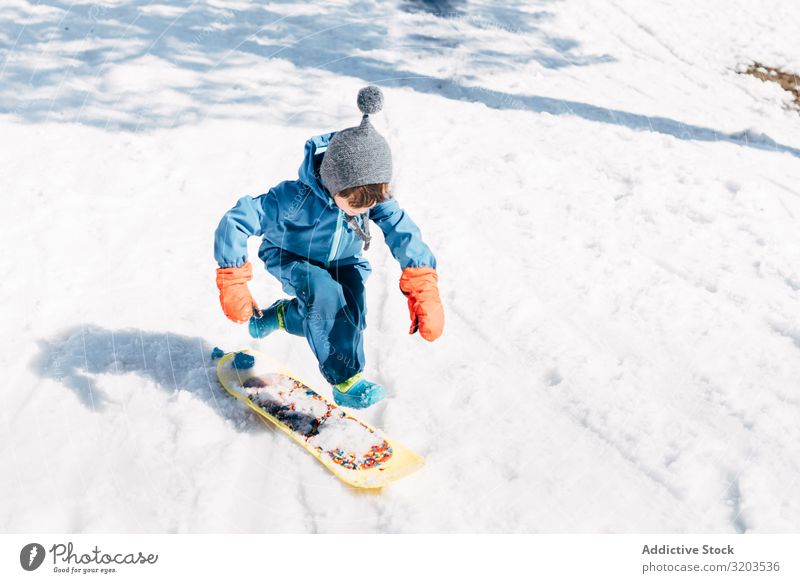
<point x="308" y="173"/>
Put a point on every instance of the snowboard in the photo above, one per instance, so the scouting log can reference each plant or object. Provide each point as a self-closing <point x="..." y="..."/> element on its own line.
<point x="352" y="450"/>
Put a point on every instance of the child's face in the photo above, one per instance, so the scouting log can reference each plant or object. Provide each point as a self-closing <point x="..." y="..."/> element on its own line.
<point x="345" y="205"/>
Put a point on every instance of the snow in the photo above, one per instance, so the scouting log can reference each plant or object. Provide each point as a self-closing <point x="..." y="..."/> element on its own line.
<point x="347" y="435"/>
<point x="613" y="207"/>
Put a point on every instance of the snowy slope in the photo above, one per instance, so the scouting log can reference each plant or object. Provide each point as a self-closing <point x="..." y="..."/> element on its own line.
<point x="614" y="209"/>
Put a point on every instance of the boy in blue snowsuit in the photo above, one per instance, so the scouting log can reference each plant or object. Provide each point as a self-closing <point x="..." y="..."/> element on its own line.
<point x="313" y="231"/>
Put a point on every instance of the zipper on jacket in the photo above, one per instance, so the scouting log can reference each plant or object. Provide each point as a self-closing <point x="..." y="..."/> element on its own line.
<point x="337" y="238"/>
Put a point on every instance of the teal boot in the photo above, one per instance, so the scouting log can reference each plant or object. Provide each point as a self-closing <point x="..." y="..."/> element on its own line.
<point x="270" y="320"/>
<point x="357" y="392"/>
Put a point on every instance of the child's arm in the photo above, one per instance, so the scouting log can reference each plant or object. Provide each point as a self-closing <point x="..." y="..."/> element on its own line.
<point x="419" y="282"/>
<point x="244" y="220"/>
<point x="402" y="235"/>
<point x="230" y="250"/>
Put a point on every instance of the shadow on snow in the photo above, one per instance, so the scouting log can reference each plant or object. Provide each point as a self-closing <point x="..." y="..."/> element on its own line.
<point x="69" y="50"/>
<point x="173" y="362"/>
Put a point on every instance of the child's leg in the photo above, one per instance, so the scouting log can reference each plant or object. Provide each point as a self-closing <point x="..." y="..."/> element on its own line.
<point x="352" y="279"/>
<point x="320" y="312"/>
<point x="281" y="263"/>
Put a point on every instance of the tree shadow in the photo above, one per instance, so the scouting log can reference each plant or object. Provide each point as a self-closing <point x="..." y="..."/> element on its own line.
<point x="76" y="357"/>
<point x="137" y="66"/>
<point x="132" y="67"/>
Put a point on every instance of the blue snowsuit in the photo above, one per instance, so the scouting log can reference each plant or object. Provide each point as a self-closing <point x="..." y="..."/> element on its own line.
<point x="309" y="247"/>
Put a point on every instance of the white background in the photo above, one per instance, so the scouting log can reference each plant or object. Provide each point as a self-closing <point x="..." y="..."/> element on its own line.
<point x="398" y="558"/>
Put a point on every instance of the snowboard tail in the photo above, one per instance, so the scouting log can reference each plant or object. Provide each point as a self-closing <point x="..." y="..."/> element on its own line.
<point x="352" y="450"/>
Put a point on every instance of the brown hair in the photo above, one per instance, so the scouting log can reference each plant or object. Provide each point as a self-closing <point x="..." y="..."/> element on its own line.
<point x="366" y="194"/>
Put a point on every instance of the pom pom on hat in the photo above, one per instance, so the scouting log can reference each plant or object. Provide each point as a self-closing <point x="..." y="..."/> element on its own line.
<point x="370" y="100"/>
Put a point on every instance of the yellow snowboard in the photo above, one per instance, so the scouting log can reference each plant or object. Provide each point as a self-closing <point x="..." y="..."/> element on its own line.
<point x="356" y="453"/>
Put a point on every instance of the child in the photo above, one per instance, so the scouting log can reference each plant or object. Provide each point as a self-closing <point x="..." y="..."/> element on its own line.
<point x="313" y="230"/>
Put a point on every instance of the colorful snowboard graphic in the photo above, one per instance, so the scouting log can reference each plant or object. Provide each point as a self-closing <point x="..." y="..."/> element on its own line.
<point x="356" y="453"/>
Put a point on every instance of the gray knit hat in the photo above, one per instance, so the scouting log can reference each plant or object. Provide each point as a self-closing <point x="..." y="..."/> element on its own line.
<point x="358" y="155"/>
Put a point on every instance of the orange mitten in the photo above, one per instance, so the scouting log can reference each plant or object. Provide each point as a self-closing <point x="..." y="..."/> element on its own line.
<point x="419" y="285"/>
<point x="234" y="296"/>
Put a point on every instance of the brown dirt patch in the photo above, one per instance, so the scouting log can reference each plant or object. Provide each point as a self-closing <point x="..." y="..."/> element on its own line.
<point x="787" y="81"/>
